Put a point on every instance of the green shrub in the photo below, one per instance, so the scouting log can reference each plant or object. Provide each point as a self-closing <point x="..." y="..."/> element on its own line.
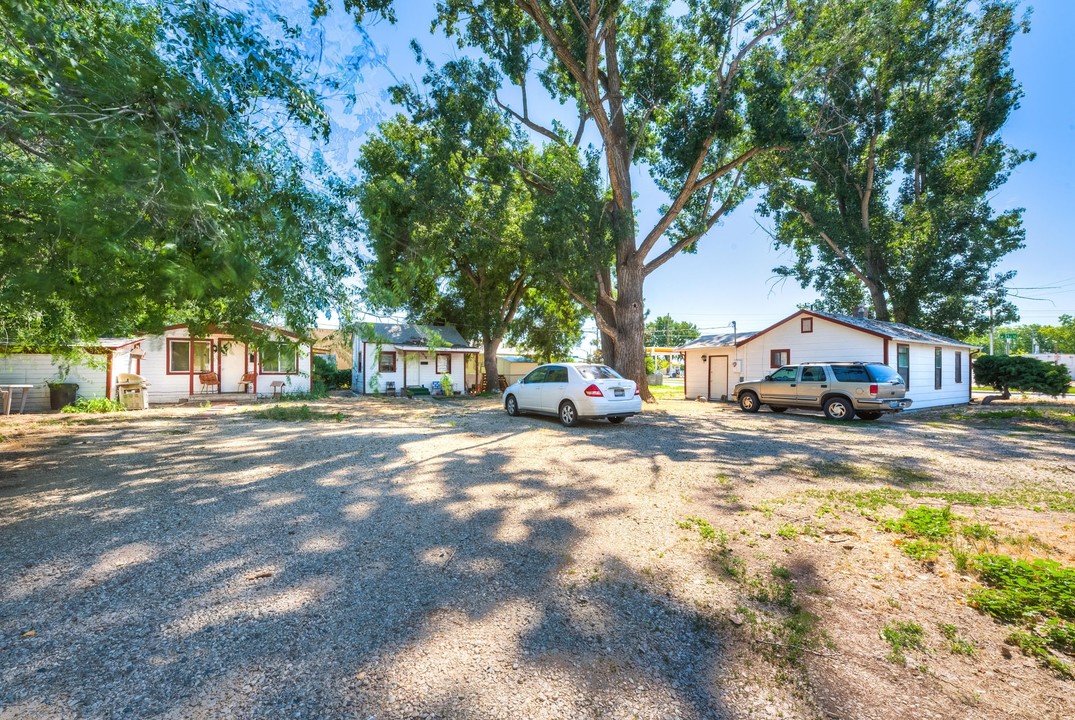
<point x="924" y="522"/>
<point x="94" y="405"/>
<point x="921" y="550"/>
<point x="1021" y="589"/>
<point x="902" y="636"/>
<point x="1021" y="373"/>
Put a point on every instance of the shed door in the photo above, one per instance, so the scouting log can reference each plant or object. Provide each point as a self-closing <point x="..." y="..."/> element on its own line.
<point x="718" y="377"/>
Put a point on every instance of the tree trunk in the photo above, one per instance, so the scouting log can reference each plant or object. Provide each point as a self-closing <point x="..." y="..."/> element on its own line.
<point x="489" y="346"/>
<point x="631" y="326"/>
<point x="877" y="296"/>
<point x="608" y="348"/>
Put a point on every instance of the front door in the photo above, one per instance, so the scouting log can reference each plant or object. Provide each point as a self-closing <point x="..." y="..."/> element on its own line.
<point x="718" y="377"/>
<point x="233" y="364"/>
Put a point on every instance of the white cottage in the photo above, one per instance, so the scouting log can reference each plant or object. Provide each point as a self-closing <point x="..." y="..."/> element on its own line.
<point x="389" y="357"/>
<point x="935" y="368"/>
<point x="178" y="366"/>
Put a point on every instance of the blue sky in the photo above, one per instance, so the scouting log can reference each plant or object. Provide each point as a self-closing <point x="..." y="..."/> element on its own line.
<point x="731" y="278"/>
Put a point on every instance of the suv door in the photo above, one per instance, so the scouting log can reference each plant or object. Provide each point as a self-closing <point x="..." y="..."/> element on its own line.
<point x="812" y="384"/>
<point x="779" y="388"/>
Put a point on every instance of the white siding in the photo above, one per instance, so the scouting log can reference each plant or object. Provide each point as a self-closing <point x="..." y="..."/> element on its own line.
<point x="828" y="342"/>
<point x="697" y="383"/>
<point x="367" y="363"/>
<point x="34" y="369"/>
<point x="921" y="387"/>
<point x="165" y="387"/>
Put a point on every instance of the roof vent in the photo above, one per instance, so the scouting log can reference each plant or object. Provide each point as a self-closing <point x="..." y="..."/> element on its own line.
<point x="860" y="312"/>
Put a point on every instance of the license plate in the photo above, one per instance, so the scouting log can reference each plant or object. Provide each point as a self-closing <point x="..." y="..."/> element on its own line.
<point x="618" y="392"/>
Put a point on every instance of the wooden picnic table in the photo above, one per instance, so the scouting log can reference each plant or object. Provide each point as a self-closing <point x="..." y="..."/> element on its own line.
<point x="6" y="391"/>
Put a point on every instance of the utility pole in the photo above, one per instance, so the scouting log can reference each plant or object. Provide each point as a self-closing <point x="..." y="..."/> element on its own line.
<point x="990" y="328"/>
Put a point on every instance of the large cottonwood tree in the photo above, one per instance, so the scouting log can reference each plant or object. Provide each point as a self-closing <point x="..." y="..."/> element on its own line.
<point x="887" y="202"/>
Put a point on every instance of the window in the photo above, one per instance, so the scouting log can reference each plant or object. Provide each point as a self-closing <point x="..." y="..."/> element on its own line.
<point x="959" y="367"/>
<point x="850" y="373"/>
<point x="779" y="358"/>
<point x="536" y="376"/>
<point x="807" y="325"/>
<point x="556" y="374"/>
<point x="813" y="373"/>
<point x="936" y="368"/>
<point x="444" y="363"/>
<point x="786" y="374"/>
<point x="597" y="372"/>
<point x="279" y="358"/>
<point x="387" y="362"/>
<point x="903" y="364"/>
<point x="179" y="356"/>
<point x="883" y="374"/>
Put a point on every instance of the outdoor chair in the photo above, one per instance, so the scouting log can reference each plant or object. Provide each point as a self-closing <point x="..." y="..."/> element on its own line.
<point x="247" y="383"/>
<point x="208" y="380"/>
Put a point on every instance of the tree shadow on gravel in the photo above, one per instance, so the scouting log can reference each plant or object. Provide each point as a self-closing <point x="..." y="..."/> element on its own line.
<point x="316" y="571"/>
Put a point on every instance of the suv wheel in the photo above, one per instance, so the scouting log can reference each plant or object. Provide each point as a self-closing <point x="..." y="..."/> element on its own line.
<point x="748" y="401"/>
<point x="778" y="409"/>
<point x="839" y="408"/>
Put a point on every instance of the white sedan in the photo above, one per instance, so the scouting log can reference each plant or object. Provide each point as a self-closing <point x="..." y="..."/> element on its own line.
<point x="573" y="391"/>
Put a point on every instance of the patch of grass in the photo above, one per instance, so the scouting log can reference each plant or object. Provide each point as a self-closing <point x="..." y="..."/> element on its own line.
<point x="94" y="405"/>
<point x="956" y="644"/>
<point x="707" y="531"/>
<point x="788" y="532"/>
<point x="1038" y="596"/>
<point x="924" y="522"/>
<point x="896" y="474"/>
<point x="873" y="500"/>
<point x="902" y="635"/>
<point x="978" y="531"/>
<point x="291" y="413"/>
<point x="921" y="550"/>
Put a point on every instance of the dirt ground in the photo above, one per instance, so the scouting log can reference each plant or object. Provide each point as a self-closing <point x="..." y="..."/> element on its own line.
<point x="415" y="558"/>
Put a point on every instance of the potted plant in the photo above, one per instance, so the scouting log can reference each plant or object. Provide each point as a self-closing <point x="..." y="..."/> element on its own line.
<point x="446" y="385"/>
<point x="61" y="392"/>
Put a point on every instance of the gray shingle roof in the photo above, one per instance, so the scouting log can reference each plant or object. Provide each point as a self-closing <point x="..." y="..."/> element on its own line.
<point x="715" y="341"/>
<point x="420" y="336"/>
<point x="896" y="331"/>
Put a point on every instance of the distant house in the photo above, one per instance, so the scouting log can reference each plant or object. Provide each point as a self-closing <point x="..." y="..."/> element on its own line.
<point x="935" y="368"/>
<point x="334" y="345"/>
<point x="389" y="357"/>
<point x="173" y="363"/>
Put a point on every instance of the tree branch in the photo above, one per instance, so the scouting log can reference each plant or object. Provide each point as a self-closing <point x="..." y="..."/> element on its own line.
<point x="525" y="120"/>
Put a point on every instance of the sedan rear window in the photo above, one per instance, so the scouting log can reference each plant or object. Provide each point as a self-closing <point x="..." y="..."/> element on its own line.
<point x="597" y="372"/>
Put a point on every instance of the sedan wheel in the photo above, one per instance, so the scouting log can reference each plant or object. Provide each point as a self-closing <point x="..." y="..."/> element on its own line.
<point x="839" y="409"/>
<point x="511" y="405"/>
<point x="569" y="416"/>
<point x="616" y="420"/>
<point x="748" y="401"/>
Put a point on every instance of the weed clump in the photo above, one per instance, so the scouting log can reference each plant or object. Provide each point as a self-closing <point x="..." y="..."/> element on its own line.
<point x="902" y="635"/>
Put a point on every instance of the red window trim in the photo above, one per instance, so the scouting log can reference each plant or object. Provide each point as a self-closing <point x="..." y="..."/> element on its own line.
<point x="381" y="359"/>
<point x="804" y="323"/>
<point x="437" y="360"/>
<point x="263" y="371"/>
<point x="168" y="359"/>
<point x="772" y="357"/>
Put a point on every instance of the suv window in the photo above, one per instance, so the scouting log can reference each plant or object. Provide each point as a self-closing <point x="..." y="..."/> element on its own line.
<point x="884" y="374"/>
<point x="850" y="373"/>
<point x="556" y="374"/>
<point x="813" y="373"/>
<point x="784" y="374"/>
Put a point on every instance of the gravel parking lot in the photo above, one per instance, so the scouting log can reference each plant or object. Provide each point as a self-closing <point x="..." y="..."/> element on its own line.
<point x="412" y="559"/>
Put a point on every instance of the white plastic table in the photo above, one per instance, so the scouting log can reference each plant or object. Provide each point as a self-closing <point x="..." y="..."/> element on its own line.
<point x="7" y="390"/>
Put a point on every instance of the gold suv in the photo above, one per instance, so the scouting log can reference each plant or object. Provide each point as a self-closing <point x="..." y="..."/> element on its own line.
<point x="841" y="389"/>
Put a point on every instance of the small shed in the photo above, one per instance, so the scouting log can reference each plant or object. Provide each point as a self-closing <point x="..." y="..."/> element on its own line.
<point x="95" y="376"/>
<point x="935" y="368"/>
<point x="389" y="357"/>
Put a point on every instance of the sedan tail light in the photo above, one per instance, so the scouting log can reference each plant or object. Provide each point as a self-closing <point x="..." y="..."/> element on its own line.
<point x="593" y="391"/>
<point x="636" y="390"/>
<point x="873" y="389"/>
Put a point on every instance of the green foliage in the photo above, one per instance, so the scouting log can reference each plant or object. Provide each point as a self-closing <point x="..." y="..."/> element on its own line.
<point x="1020" y="589"/>
<point x="146" y="180"/>
<point x="956" y="644"/>
<point x="292" y="413"/>
<point x="921" y="550"/>
<point x="1027" y="374"/>
<point x="1031" y="338"/>
<point x="664" y="331"/>
<point x="978" y="531"/>
<point x="707" y="531"/>
<point x="902" y="635"/>
<point x="327" y="376"/>
<point x="924" y="522"/>
<point x="888" y="202"/>
<point x="94" y="405"/>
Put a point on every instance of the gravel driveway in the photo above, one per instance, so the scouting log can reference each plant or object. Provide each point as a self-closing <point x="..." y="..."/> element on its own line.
<point x="409" y="559"/>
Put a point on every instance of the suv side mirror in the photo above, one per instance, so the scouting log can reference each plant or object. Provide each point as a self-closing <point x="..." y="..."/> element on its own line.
<point x="768" y="377"/>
